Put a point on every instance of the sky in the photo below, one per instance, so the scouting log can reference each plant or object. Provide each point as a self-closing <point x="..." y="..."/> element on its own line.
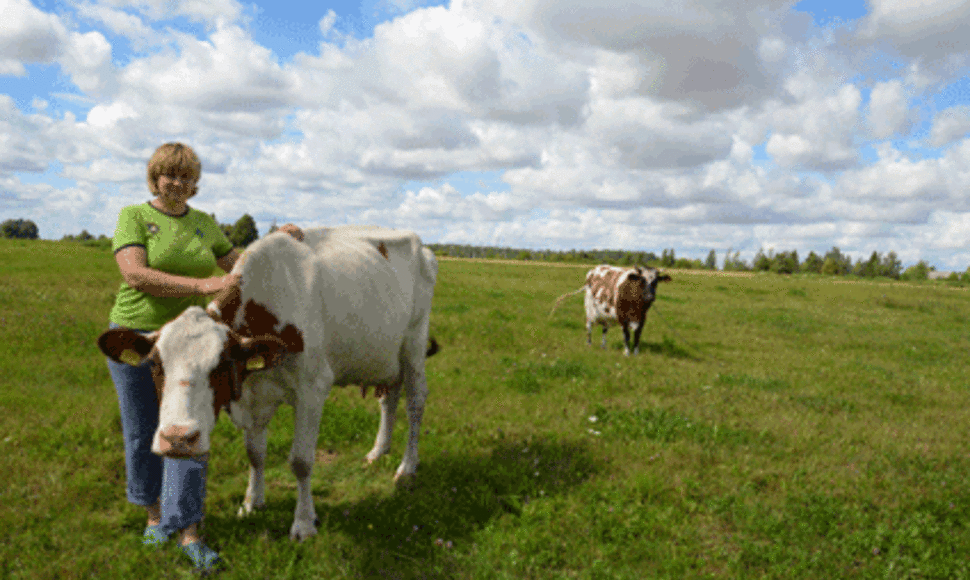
<point x="546" y="124"/>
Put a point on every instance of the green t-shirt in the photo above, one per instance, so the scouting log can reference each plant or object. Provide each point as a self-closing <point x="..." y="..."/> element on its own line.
<point x="187" y="245"/>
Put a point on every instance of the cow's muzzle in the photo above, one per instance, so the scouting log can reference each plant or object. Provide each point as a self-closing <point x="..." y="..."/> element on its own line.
<point x="178" y="441"/>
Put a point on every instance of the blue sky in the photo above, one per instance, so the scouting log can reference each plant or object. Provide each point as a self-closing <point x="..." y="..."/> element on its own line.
<point x="533" y="124"/>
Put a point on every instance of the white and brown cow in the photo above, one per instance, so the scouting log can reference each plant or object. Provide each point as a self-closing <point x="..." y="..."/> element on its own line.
<point x="618" y="296"/>
<point x="349" y="305"/>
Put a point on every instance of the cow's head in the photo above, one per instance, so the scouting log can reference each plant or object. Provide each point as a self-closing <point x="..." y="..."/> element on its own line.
<point x="651" y="277"/>
<point x="199" y="366"/>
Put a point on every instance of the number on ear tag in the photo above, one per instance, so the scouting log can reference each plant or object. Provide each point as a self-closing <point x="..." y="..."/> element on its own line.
<point x="130" y="357"/>
<point x="255" y="363"/>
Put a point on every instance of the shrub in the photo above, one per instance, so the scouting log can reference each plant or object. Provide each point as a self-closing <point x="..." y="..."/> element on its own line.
<point x="19" y="228"/>
<point x="244" y="232"/>
<point x="918" y="271"/>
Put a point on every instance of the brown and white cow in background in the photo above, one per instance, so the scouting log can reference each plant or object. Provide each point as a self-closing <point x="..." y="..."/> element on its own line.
<point x="350" y="305"/>
<point x="618" y="296"/>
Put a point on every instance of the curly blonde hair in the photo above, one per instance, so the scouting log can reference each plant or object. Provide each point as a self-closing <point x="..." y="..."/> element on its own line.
<point x="174" y="159"/>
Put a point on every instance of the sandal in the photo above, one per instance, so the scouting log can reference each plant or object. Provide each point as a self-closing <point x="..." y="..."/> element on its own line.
<point x="203" y="557"/>
<point x="154" y="536"/>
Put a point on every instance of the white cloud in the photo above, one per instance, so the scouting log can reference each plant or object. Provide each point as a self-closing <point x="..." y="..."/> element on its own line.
<point x="949" y="125"/>
<point x="228" y="74"/>
<point x="88" y="61"/>
<point x="888" y="109"/>
<point x="772" y="49"/>
<point x="326" y="23"/>
<point x="898" y="189"/>
<point x="212" y="12"/>
<point x="122" y="23"/>
<point x="816" y="133"/>
<point x="28" y="36"/>
<point x="620" y="125"/>
<point x="930" y="29"/>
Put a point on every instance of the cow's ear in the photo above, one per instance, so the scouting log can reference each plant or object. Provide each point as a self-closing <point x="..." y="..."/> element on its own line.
<point x="126" y="346"/>
<point x="258" y="353"/>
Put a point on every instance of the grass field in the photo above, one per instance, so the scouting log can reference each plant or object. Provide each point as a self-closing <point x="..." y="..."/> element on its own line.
<point x="772" y="427"/>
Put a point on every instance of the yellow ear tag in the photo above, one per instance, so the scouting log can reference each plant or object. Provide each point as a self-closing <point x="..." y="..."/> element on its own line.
<point x="130" y="357"/>
<point x="255" y="363"/>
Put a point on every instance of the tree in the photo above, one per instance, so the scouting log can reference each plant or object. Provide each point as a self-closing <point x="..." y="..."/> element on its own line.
<point x="762" y="262"/>
<point x="733" y="262"/>
<point x="711" y="262"/>
<point x="836" y="263"/>
<point x="19" y="228"/>
<point x="667" y="258"/>
<point x="785" y="262"/>
<point x="891" y="266"/>
<point x="273" y="227"/>
<point x="244" y="232"/>
<point x="918" y="271"/>
<point x="813" y="263"/>
<point x="869" y="268"/>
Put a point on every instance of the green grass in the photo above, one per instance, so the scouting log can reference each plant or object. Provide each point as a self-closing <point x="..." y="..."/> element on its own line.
<point x="771" y="427"/>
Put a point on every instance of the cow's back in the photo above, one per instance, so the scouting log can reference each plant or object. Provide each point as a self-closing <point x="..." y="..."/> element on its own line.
<point x="359" y="303"/>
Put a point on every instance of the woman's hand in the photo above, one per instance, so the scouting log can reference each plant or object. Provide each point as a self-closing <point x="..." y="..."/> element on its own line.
<point x="293" y="230"/>
<point x="218" y="283"/>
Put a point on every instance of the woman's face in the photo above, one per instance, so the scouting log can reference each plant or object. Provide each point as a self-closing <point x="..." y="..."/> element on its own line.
<point x="175" y="189"/>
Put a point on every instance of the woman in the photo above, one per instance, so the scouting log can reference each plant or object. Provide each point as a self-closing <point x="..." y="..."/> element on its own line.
<point x="167" y="253"/>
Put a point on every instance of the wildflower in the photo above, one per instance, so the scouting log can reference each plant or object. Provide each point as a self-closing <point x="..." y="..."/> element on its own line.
<point x="448" y="544"/>
<point x="875" y="551"/>
<point x="593" y="419"/>
<point x="439" y="542"/>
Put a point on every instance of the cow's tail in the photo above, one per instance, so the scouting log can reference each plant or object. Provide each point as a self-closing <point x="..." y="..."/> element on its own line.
<point x="432" y="347"/>
<point x="564" y="296"/>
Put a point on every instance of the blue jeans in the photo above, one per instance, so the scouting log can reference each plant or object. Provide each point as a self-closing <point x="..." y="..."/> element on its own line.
<point x="177" y="484"/>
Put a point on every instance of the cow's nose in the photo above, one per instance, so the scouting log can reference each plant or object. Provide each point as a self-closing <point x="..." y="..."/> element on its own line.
<point x="179" y="441"/>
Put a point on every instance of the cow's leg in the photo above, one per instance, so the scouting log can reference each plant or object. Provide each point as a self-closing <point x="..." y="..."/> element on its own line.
<point x="416" y="389"/>
<point x="256" y="450"/>
<point x="605" y="328"/>
<point x="309" y="406"/>
<point x="382" y="444"/>
<point x="636" y="337"/>
<point x="626" y="339"/>
<point x="589" y="332"/>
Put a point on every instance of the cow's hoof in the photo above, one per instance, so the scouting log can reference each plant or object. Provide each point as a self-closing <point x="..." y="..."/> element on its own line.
<point x="404" y="480"/>
<point x="247" y="508"/>
<point x="302" y="530"/>
<point x="373" y="456"/>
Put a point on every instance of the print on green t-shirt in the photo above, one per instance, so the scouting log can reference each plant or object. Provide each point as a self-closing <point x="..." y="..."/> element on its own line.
<point x="187" y="245"/>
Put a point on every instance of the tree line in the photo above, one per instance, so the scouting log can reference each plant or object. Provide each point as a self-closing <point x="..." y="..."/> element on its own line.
<point x="832" y="263"/>
<point x="241" y="234"/>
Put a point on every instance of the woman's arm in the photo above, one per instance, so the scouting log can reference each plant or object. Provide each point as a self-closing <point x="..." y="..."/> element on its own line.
<point x="134" y="268"/>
